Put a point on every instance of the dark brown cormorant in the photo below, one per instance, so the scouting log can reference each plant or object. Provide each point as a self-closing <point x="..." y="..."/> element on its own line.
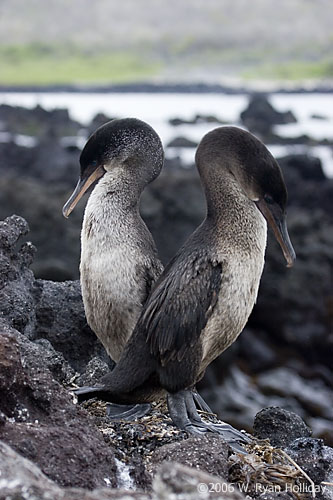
<point x="205" y="295"/>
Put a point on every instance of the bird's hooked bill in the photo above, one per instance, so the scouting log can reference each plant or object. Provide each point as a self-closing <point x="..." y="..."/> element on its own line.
<point x="277" y="222"/>
<point x="82" y="186"/>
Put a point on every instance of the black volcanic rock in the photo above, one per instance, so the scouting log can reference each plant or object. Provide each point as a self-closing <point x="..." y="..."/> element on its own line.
<point x="39" y="419"/>
<point x="207" y="453"/>
<point x="260" y="116"/>
<point x="17" y="281"/>
<point x="173" y="206"/>
<point x="288" y="333"/>
<point x="41" y="347"/>
<point x="314" y="458"/>
<point x="281" y="427"/>
<point x="175" y="480"/>
<point x="37" y="121"/>
<point x="196" y="120"/>
<point x="181" y="142"/>
<point x="61" y="320"/>
<point x="48" y="162"/>
<point x="97" y="121"/>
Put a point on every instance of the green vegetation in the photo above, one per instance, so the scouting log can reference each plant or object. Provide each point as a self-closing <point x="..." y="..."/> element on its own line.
<point x="45" y="64"/>
<point x="293" y="70"/>
<point x="41" y="64"/>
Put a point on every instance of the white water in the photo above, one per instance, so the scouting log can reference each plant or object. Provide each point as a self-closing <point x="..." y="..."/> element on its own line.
<point x="123" y="476"/>
<point x="157" y="109"/>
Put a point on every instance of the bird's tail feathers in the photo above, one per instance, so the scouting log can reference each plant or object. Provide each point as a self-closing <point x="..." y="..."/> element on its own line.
<point x="128" y="381"/>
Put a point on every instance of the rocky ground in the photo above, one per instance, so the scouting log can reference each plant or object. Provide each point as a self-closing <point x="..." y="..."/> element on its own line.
<point x="51" y="447"/>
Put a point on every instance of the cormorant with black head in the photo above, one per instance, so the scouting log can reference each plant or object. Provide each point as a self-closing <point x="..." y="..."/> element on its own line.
<point x="119" y="261"/>
<point x="205" y="295"/>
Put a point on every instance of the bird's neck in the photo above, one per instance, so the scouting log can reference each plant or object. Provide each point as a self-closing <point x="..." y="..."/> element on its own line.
<point x="113" y="206"/>
<point x="235" y="218"/>
<point x="117" y="190"/>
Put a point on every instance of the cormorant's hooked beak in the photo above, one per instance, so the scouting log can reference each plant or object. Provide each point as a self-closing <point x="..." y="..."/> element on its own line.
<point x="83" y="184"/>
<point x="276" y="219"/>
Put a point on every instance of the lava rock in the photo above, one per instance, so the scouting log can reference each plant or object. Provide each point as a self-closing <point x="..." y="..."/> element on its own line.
<point x="60" y="319"/>
<point x="43" y="424"/>
<point x="37" y="121"/>
<point x="313" y="457"/>
<point x="317" y="116"/>
<point x="260" y="116"/>
<point x="175" y="480"/>
<point x="283" y="495"/>
<point x="306" y="171"/>
<point x="48" y="161"/>
<point x="237" y="398"/>
<point x="94" y="371"/>
<point x="174" y="202"/>
<point x="197" y="119"/>
<point x="59" y="249"/>
<point x="305" y="166"/>
<point x="20" y="478"/>
<point x="281" y="427"/>
<point x="322" y="428"/>
<point x="43" y="309"/>
<point x="253" y="348"/>
<point x="39" y="418"/>
<point x="181" y="142"/>
<point x="97" y="121"/>
<point x="16" y="280"/>
<point x="207" y="453"/>
<point x="294" y="305"/>
<point x="313" y="395"/>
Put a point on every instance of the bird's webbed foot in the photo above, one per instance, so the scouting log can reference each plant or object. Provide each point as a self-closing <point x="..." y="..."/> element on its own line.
<point x="127" y="412"/>
<point x="184" y="415"/>
<point x="200" y="403"/>
<point x="87" y="392"/>
<point x="114" y="411"/>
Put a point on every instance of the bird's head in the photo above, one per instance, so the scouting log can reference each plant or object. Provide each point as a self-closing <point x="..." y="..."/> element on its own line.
<point x="248" y="161"/>
<point x="127" y="148"/>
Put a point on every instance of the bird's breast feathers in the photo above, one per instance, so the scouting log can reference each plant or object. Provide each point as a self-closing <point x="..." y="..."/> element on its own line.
<point x="238" y="294"/>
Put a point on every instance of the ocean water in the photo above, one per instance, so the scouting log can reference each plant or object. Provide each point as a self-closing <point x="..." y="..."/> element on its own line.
<point x="313" y="111"/>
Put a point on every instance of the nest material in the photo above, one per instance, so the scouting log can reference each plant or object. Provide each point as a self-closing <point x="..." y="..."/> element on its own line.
<point x="139" y="437"/>
<point x="264" y="469"/>
<point x="269" y="469"/>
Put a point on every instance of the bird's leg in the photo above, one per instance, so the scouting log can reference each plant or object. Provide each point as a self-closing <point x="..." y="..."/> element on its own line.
<point x="184" y="414"/>
<point x="86" y="392"/>
<point x="200" y="402"/>
<point x="127" y="412"/>
<point x="114" y="411"/>
<point x="179" y="414"/>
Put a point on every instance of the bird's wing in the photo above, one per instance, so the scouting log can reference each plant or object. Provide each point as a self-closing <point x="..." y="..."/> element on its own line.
<point x="180" y="305"/>
<point x="149" y="274"/>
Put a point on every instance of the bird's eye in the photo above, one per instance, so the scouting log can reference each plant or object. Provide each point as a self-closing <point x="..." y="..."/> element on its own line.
<point x="268" y="199"/>
<point x="93" y="163"/>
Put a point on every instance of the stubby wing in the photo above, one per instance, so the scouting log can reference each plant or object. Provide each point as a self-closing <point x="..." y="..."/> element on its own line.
<point x="180" y="305"/>
<point x="148" y="275"/>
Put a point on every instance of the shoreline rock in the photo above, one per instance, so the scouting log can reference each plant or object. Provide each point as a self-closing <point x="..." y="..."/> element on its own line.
<point x="165" y="87"/>
<point x="77" y="446"/>
<point x="283" y="359"/>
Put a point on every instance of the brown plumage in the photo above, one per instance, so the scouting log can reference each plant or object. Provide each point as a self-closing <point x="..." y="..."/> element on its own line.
<point x="204" y="297"/>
